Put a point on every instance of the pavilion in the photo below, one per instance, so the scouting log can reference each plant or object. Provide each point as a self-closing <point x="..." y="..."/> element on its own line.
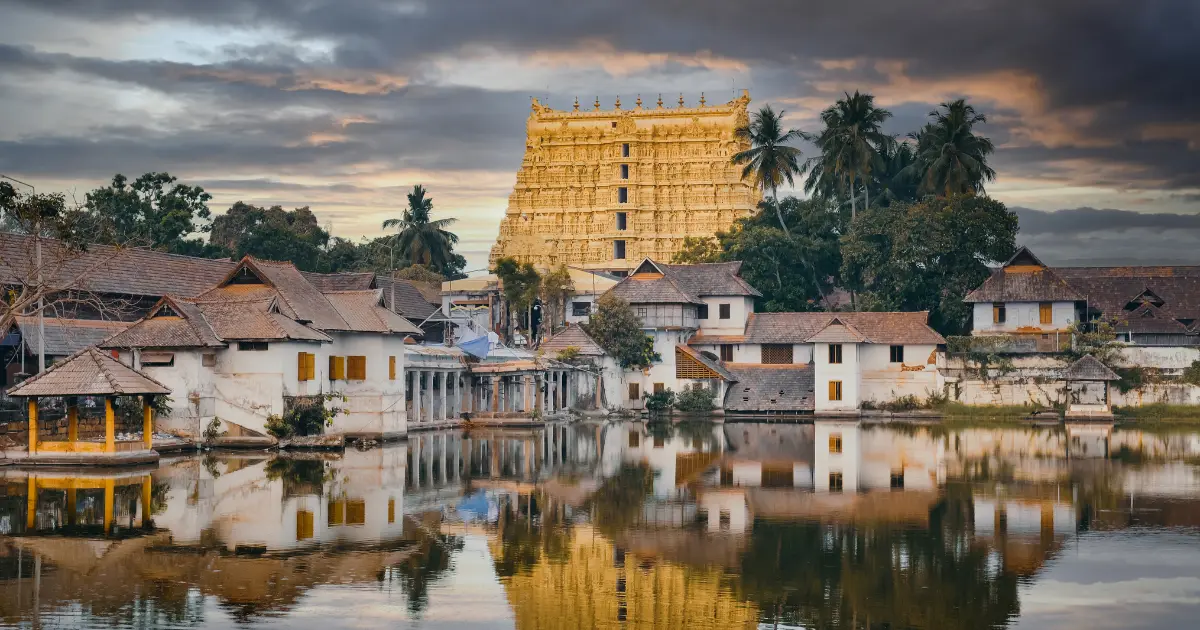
<point x="90" y="372"/>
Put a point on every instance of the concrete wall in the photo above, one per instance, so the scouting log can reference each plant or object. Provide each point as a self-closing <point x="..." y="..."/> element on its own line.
<point x="847" y="372"/>
<point x="374" y="406"/>
<point x="1022" y="315"/>
<point x="739" y="311"/>
<point x="884" y="381"/>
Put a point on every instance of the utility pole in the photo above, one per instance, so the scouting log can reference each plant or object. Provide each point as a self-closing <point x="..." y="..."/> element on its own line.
<point x="37" y="244"/>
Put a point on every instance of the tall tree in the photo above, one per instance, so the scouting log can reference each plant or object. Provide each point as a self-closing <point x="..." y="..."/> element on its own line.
<point x="770" y="161"/>
<point x="850" y="143"/>
<point x="419" y="238"/>
<point x="520" y="283"/>
<point x="950" y="157"/>
<point x="556" y="289"/>
<point x="895" y="180"/>
<point x="272" y="234"/>
<point x="154" y="209"/>
<point x="927" y="255"/>
<point x="618" y="330"/>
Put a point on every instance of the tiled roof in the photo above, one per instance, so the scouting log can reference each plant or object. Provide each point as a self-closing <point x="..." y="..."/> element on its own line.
<point x="715" y="366"/>
<point x="873" y="327"/>
<point x="363" y="311"/>
<point x="186" y="328"/>
<point x="765" y="389"/>
<point x="67" y="336"/>
<point x="712" y="279"/>
<point x="661" y="290"/>
<point x="1150" y="319"/>
<point x="409" y="301"/>
<point x="258" y="320"/>
<point x="346" y="281"/>
<point x="1025" y="286"/>
<point x="682" y="284"/>
<point x="1089" y="368"/>
<point x="572" y="337"/>
<point x="702" y="339"/>
<point x="1110" y="290"/>
<point x="838" y="331"/>
<point x="308" y="303"/>
<point x="89" y="373"/>
<point x="104" y="269"/>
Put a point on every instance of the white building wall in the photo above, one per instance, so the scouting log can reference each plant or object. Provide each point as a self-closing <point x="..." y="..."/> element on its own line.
<point x="740" y="309"/>
<point x="1018" y="315"/>
<point x="374" y="406"/>
<point x="846" y="462"/>
<point x="884" y="381"/>
<point x="847" y="372"/>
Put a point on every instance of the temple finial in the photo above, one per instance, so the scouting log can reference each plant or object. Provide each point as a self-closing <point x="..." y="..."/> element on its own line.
<point x="576" y="103"/>
<point x="639" y="101"/>
<point x="597" y="103"/>
<point x="681" y="99"/>
<point x="660" y="100"/>
<point x="702" y="99"/>
<point x="618" y="101"/>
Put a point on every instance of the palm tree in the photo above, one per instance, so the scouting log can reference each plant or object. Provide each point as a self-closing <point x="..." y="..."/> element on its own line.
<point x="895" y="180"/>
<point x="950" y="157"/>
<point x="770" y="161"/>
<point x="850" y="144"/>
<point x="422" y="241"/>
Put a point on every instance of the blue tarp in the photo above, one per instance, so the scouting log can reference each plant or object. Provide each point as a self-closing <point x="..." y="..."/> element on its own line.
<point x="476" y="347"/>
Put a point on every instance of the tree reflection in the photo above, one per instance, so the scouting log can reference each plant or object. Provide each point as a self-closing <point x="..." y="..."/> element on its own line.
<point x="430" y="561"/>
<point x="617" y="504"/>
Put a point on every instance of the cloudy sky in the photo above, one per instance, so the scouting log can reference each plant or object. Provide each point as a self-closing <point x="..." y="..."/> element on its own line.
<point x="344" y="104"/>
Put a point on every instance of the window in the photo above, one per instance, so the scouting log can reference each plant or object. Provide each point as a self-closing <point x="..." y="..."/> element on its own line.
<point x="624" y="171"/>
<point x="835" y="443"/>
<point x="337" y="368"/>
<point x="702" y="311"/>
<point x="896" y="354"/>
<point x="337" y="513"/>
<point x="898" y="479"/>
<point x="659" y="388"/>
<point x="391" y="368"/>
<point x="619" y="250"/>
<point x="835" y="353"/>
<point x="391" y="511"/>
<point x="634" y="392"/>
<point x="777" y="353"/>
<point x="252" y="346"/>
<point x="641" y="311"/>
<point x="723" y="311"/>
<point x="356" y="512"/>
<point x="622" y="221"/>
<point x="622" y="195"/>
<point x="162" y="359"/>
<point x="209" y="359"/>
<point x="581" y="309"/>
<point x="999" y="313"/>
<point x="635" y="439"/>
<point x="356" y="368"/>
<point x="835" y="390"/>
<point x="1046" y="313"/>
<point x="304" y="525"/>
<point x="727" y="352"/>
<point x="306" y="366"/>
<point x="835" y="482"/>
<point x="624" y="149"/>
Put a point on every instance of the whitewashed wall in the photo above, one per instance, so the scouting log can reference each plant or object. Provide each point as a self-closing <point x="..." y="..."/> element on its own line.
<point x="1022" y="315"/>
<point x="884" y="381"/>
<point x="847" y="372"/>
<point x="740" y="309"/>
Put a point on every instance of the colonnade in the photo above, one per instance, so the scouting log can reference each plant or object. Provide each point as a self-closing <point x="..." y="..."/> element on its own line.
<point x="543" y="392"/>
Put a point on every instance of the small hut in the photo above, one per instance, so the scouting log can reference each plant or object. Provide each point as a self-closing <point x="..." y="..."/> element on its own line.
<point x="90" y="372"/>
<point x="1088" y="388"/>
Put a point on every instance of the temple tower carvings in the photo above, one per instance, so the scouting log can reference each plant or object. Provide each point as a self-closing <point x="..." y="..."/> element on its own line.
<point x="603" y="189"/>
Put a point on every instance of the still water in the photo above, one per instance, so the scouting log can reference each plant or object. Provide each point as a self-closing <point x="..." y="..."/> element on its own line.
<point x="624" y="525"/>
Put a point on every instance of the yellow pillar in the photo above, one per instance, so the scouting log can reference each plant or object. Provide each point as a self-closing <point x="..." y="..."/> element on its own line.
<point x="33" y="425"/>
<point x="31" y="505"/>
<point x="147" y="423"/>
<point x="73" y="422"/>
<point x="109" y="486"/>
<point x="146" y="501"/>
<point x="110" y="427"/>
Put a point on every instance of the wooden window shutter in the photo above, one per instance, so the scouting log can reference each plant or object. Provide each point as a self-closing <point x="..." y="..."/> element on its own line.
<point x="312" y="366"/>
<point x="304" y="525"/>
<point x="1046" y="312"/>
<point x="777" y="353"/>
<point x="302" y="366"/>
<point x="357" y="367"/>
<point x="835" y="390"/>
<point x="337" y="368"/>
<point x="392" y="368"/>
<point x="634" y="392"/>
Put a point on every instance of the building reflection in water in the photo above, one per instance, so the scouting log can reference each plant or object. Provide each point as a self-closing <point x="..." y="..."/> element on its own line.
<point x="832" y="524"/>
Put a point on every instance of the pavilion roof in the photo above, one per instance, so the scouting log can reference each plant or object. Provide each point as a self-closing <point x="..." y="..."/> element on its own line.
<point x="89" y="372"/>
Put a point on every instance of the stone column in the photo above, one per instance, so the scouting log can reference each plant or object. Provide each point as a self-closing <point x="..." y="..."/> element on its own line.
<point x="415" y="445"/>
<point x="445" y="415"/>
<point x="537" y="387"/>
<point x="554" y="389"/>
<point x="495" y="393"/>
<point x="429" y="375"/>
<point x="468" y="392"/>
<point x="416" y="395"/>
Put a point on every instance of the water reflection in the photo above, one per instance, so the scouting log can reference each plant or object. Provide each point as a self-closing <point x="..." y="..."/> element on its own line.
<point x="624" y="525"/>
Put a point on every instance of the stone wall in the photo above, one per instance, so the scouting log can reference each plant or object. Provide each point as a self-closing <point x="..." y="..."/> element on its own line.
<point x="52" y="426"/>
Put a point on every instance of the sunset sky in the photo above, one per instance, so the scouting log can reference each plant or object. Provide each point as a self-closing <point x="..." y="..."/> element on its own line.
<point x="342" y="105"/>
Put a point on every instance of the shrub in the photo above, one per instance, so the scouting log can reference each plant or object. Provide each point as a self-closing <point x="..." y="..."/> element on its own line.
<point x="659" y="401"/>
<point x="695" y="399"/>
<point x="303" y="415"/>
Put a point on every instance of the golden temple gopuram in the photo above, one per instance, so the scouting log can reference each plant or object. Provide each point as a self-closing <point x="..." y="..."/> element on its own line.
<point x="603" y="189"/>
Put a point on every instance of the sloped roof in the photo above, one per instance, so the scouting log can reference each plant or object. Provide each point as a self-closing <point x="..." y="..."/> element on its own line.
<point x="838" y="331"/>
<point x="707" y="362"/>
<point x="1043" y="285"/>
<point x="1089" y="368"/>
<point x="186" y="328"/>
<point x="1110" y="290"/>
<point x="573" y="337"/>
<point x="1150" y="319"/>
<point x="344" y="281"/>
<point x="659" y="290"/>
<point x="105" y="269"/>
<point x="255" y="320"/>
<point x="90" y="372"/>
<point x="774" y="388"/>
<point x="410" y="302"/>
<point x="363" y="311"/>
<point x="305" y="300"/>
<point x="872" y="327"/>
<point x="712" y="279"/>
<point x="67" y="336"/>
<point x="682" y="284"/>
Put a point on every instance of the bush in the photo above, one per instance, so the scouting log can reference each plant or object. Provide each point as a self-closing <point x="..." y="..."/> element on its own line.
<point x="303" y="415"/>
<point x="659" y="402"/>
<point x="695" y="399"/>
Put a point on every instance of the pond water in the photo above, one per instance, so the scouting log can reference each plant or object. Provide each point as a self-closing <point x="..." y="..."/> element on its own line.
<point x="624" y="525"/>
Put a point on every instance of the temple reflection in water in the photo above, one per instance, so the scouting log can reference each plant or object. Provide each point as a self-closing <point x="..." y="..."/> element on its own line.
<point x="592" y="525"/>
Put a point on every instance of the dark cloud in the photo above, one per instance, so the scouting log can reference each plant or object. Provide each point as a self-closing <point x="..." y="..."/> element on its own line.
<point x="1088" y="236"/>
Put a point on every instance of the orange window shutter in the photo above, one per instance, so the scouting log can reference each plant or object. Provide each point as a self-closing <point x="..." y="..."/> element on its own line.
<point x="312" y="366"/>
<point x="1046" y="312"/>
<point x="302" y="366"/>
<point x="392" y="368"/>
<point x="357" y="367"/>
<point x="337" y="368"/>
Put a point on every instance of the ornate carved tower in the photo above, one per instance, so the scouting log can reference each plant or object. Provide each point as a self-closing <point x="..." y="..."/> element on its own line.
<point x="603" y="189"/>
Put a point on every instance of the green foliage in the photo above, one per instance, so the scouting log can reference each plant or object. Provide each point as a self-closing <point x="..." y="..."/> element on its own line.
<point x="1098" y="338"/>
<point x="556" y="288"/>
<point x="659" y="402"/>
<point x="951" y="159"/>
<point x="213" y="430"/>
<point x="616" y="329"/>
<point x="420" y="273"/>
<point x="850" y="145"/>
<point x="304" y="415"/>
<point x="520" y="283"/>
<point x="697" y="249"/>
<point x="570" y="354"/>
<point x="1191" y="374"/>
<point x="982" y="355"/>
<point x="155" y="210"/>
<point x="272" y="234"/>
<point x="770" y="161"/>
<point x="927" y="255"/>
<point x="419" y="239"/>
<point x="697" y="399"/>
<point x="28" y="213"/>
<point x="1134" y="378"/>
